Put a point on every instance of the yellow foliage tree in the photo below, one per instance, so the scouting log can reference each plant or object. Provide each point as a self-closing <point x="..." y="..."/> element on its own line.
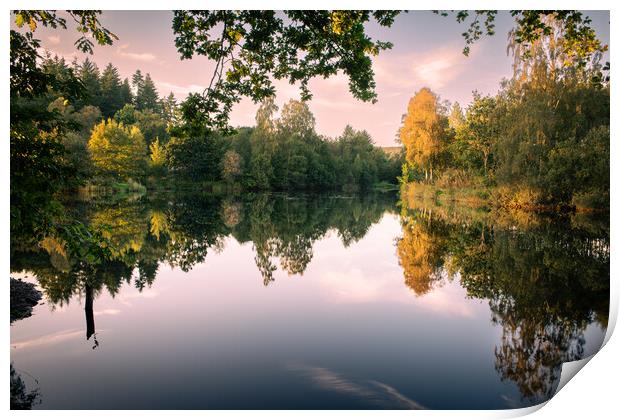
<point x="118" y="150"/>
<point x="158" y="155"/>
<point x="423" y="132"/>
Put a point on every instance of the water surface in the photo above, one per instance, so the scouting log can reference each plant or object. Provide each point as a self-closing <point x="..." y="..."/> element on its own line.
<point x="327" y="302"/>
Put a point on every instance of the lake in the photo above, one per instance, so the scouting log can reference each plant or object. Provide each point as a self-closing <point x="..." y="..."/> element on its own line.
<point x="311" y="302"/>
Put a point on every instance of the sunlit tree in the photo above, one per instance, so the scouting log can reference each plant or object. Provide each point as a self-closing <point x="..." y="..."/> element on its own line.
<point x="296" y="119"/>
<point x="423" y="132"/>
<point x="117" y="150"/>
<point x="157" y="161"/>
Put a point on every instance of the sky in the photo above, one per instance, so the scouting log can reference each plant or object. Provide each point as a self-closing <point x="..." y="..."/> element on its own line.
<point x="427" y="52"/>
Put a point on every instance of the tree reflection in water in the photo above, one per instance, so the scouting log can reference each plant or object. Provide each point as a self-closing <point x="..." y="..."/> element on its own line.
<point x="545" y="279"/>
<point x="180" y="231"/>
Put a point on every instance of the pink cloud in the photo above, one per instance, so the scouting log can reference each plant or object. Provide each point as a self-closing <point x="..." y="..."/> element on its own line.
<point x="122" y="51"/>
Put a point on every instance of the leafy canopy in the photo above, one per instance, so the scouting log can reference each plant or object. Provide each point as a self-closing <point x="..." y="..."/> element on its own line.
<point x="251" y="48"/>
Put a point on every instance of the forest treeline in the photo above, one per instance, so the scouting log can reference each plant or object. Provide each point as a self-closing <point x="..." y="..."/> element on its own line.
<point x="541" y="142"/>
<point x="127" y="132"/>
<point x="93" y="128"/>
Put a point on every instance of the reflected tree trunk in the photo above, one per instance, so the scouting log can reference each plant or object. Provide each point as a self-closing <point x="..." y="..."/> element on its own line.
<point x="88" y="308"/>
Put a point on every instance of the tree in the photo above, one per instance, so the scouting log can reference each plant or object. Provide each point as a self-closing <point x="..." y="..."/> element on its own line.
<point x="231" y="166"/>
<point x="117" y="150"/>
<point x="255" y="47"/>
<point x="265" y="120"/>
<point x="195" y="158"/>
<point x="146" y="95"/>
<point x="111" y="99"/>
<point x="39" y="169"/>
<point x="547" y="109"/>
<point x="357" y="158"/>
<point x="75" y="140"/>
<point x="126" y="95"/>
<point x="261" y="172"/>
<point x="87" y="24"/>
<point x="529" y="139"/>
<point x="545" y="45"/>
<point x="532" y="25"/>
<point x="170" y="110"/>
<point x="456" y="118"/>
<point x="157" y="160"/>
<point x="296" y="120"/>
<point x="137" y="80"/>
<point x="423" y="132"/>
<point x="57" y="68"/>
<point x="481" y="127"/>
<point x="262" y="146"/>
<point x="90" y="77"/>
<point x="151" y="125"/>
<point x="86" y="118"/>
<point x="126" y="115"/>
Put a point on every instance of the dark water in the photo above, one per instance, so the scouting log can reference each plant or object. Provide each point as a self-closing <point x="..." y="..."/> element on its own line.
<point x="326" y="302"/>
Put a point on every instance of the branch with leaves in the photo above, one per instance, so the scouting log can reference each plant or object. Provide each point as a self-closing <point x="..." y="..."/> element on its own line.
<point x="580" y="38"/>
<point x="253" y="48"/>
<point x="86" y="21"/>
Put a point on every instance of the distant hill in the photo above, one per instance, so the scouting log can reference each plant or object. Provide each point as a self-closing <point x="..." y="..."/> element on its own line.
<point x="392" y="150"/>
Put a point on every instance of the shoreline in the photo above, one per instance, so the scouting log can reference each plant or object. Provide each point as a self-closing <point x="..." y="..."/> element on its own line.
<point x="481" y="197"/>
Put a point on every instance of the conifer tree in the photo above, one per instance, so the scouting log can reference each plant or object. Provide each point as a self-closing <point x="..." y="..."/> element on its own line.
<point x="146" y="95"/>
<point x="111" y="99"/>
<point x="126" y="95"/>
<point x="89" y="75"/>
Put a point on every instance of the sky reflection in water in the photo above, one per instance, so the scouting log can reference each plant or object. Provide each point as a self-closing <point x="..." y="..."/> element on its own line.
<point x="344" y="330"/>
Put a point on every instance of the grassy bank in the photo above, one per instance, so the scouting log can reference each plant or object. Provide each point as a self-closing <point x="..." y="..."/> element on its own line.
<point x="112" y="189"/>
<point x="471" y="205"/>
<point x="493" y="198"/>
<point x="470" y="196"/>
<point x="454" y="204"/>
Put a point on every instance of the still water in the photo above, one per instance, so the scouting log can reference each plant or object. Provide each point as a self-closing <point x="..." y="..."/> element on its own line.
<point x="313" y="302"/>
